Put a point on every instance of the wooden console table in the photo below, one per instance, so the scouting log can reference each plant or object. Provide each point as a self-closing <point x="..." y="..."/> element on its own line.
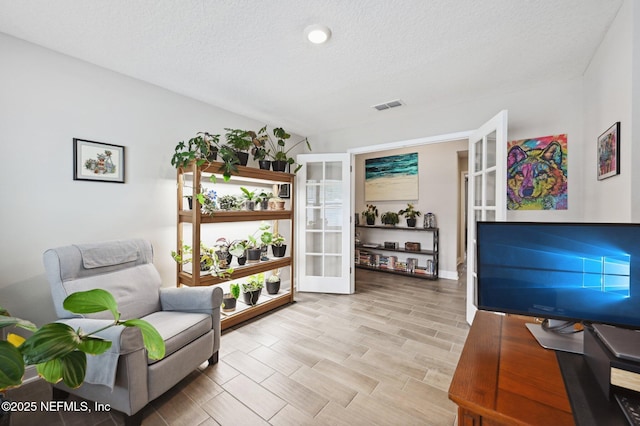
<point x="504" y="377"/>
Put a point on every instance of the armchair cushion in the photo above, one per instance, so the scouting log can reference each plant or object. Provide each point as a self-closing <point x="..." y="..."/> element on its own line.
<point x="178" y="329"/>
<point x="135" y="289"/>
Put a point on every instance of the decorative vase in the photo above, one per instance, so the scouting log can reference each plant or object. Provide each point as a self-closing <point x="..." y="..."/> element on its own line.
<point x="279" y="251"/>
<point x="251" y="297"/>
<point x="429" y="220"/>
<point x="273" y="287"/>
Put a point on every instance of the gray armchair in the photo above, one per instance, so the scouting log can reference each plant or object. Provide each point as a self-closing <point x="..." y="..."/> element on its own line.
<point x="187" y="318"/>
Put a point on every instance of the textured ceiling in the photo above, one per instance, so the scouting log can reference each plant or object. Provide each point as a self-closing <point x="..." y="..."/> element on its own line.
<point x="250" y="56"/>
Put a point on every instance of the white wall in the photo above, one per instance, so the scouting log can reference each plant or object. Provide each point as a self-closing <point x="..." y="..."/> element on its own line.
<point x="46" y="100"/>
<point x="538" y="111"/>
<point x="438" y="178"/>
<point x="608" y="99"/>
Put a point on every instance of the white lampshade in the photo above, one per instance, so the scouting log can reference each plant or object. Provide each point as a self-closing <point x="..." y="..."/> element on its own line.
<point x="317" y="34"/>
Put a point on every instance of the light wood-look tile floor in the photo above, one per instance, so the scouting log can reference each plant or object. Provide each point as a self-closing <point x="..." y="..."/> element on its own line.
<point x="382" y="356"/>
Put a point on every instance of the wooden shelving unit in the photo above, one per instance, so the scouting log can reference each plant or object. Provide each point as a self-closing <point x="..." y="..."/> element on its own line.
<point x="186" y="275"/>
<point x="431" y="254"/>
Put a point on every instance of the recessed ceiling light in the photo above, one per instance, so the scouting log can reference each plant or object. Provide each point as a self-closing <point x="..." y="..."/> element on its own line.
<point x="317" y="34"/>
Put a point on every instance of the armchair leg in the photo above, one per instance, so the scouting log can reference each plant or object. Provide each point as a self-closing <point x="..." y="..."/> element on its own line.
<point x="134" y="420"/>
<point x="213" y="359"/>
<point x="59" y="394"/>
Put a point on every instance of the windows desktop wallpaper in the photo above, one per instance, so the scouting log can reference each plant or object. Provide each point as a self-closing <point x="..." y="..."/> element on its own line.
<point x="575" y="271"/>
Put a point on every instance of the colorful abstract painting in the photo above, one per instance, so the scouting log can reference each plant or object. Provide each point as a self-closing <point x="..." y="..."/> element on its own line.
<point x="537" y="173"/>
<point x="394" y="177"/>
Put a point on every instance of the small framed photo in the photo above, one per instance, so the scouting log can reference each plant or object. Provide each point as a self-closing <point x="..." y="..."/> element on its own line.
<point x="609" y="152"/>
<point x="284" y="190"/>
<point x="98" y="161"/>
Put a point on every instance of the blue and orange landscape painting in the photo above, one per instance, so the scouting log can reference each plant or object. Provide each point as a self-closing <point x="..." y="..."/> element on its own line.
<point x="394" y="177"/>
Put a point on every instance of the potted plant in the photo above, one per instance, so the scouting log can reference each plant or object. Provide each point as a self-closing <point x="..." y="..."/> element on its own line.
<point x="370" y="214"/>
<point x="229" y="299"/>
<point x="263" y="200"/>
<point x="250" y="198"/>
<point x="273" y="282"/>
<point x="254" y="247"/>
<point x="252" y="289"/>
<point x="279" y="152"/>
<point x="390" y="218"/>
<point x="410" y="213"/>
<point x="229" y="202"/>
<point x="260" y="153"/>
<point x="207" y="256"/>
<point x="208" y="201"/>
<point x="238" y="248"/>
<point x="222" y="252"/>
<point x="276" y="203"/>
<point x="241" y="141"/>
<point x="278" y="247"/>
<point x="199" y="148"/>
<point x="60" y="352"/>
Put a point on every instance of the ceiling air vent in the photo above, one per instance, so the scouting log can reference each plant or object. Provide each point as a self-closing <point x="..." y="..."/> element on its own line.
<point x="388" y="105"/>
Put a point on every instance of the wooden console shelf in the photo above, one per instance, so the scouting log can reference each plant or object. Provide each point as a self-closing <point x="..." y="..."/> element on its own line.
<point x="504" y="377"/>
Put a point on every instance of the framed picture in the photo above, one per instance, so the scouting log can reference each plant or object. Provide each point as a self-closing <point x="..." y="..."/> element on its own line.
<point x="609" y="152"/>
<point x="284" y="190"/>
<point x="391" y="178"/>
<point x="97" y="161"/>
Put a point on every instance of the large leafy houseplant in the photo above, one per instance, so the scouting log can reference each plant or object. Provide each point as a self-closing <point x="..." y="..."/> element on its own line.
<point x="199" y="149"/>
<point x="58" y="351"/>
<point x="280" y="152"/>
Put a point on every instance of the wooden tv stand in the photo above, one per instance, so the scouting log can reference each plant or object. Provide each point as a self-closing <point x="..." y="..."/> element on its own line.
<point x="505" y="377"/>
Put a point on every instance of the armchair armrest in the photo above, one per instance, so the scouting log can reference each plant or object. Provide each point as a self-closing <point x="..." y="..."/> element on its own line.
<point x="101" y="369"/>
<point x="191" y="299"/>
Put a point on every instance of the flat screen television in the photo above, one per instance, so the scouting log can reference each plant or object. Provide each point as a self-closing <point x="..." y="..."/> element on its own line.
<point x="583" y="272"/>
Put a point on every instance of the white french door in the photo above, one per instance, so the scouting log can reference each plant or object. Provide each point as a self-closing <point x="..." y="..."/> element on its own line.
<point x="323" y="224"/>
<point x="487" y="190"/>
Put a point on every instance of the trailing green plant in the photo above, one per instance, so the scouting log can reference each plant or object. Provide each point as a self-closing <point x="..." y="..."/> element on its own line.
<point x="410" y="212"/>
<point x="198" y="149"/>
<point x="208" y="260"/>
<point x="58" y="351"/>
<point x="390" y="218"/>
<point x="254" y="283"/>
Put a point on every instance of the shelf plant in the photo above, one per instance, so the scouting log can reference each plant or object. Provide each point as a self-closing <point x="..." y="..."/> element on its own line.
<point x="390" y="218"/>
<point x="279" y="152"/>
<point x="58" y="351"/>
<point x="255" y="242"/>
<point x="238" y="248"/>
<point x="241" y="141"/>
<point x="252" y="288"/>
<point x="250" y="198"/>
<point x="200" y="148"/>
<point x="273" y="282"/>
<point x="229" y="299"/>
<point x="410" y="213"/>
<point x="370" y="214"/>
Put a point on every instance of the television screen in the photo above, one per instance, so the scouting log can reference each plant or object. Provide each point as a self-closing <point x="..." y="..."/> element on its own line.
<point x="571" y="271"/>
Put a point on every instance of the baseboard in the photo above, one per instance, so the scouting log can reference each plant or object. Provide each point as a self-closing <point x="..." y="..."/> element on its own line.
<point x="448" y="275"/>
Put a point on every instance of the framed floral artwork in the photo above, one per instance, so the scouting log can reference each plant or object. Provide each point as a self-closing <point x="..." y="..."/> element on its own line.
<point x="98" y="161"/>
